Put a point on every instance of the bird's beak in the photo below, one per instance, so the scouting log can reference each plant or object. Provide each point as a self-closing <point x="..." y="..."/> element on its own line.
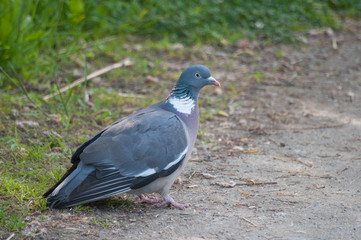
<point x="213" y="81"/>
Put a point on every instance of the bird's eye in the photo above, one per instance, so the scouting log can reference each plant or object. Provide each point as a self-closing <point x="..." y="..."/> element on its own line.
<point x="197" y="75"/>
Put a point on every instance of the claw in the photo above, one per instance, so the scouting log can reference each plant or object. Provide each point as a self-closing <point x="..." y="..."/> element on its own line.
<point x="166" y="199"/>
<point x="171" y="201"/>
<point x="145" y="199"/>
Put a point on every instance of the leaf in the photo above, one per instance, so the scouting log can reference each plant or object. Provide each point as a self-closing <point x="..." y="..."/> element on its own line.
<point x="222" y="113"/>
<point x="76" y="8"/>
<point x="35" y="35"/>
<point x="245" y="140"/>
<point x="252" y="151"/>
<point x="245" y="193"/>
<point x="143" y="13"/>
<point x="208" y="176"/>
<point x="236" y="149"/>
<point x="229" y="184"/>
<point x="152" y="79"/>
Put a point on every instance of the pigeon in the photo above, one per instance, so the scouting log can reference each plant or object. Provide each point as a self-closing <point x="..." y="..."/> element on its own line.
<point x="140" y="154"/>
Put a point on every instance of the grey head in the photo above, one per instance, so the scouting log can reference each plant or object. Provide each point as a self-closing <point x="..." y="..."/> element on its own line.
<point x="195" y="78"/>
<point x="183" y="99"/>
<point x="184" y="96"/>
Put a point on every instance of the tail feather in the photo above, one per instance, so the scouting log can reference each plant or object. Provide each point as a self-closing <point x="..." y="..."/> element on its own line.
<point x="82" y="185"/>
<point x="102" y="187"/>
<point x="94" y="197"/>
<point x="70" y="170"/>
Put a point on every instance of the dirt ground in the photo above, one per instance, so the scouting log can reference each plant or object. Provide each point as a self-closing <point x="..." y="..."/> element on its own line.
<point x="282" y="162"/>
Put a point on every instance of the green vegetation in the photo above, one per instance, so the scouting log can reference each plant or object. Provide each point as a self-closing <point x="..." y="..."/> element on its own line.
<point x="43" y="42"/>
<point x="36" y="36"/>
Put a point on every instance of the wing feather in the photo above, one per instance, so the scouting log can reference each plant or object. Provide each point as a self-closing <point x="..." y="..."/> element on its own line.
<point x="139" y="145"/>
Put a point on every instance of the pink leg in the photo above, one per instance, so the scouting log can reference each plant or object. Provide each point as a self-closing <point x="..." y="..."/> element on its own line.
<point x="145" y="199"/>
<point x="168" y="199"/>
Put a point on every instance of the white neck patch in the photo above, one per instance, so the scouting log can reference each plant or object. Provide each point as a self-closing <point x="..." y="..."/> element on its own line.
<point x="184" y="105"/>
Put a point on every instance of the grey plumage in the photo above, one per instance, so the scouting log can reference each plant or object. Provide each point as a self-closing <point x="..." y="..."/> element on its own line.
<point x="141" y="153"/>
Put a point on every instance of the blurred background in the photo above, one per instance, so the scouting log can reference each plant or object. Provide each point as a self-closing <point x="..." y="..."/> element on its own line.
<point x="36" y="36"/>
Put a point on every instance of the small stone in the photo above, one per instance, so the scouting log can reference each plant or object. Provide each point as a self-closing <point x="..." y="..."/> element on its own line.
<point x="178" y="180"/>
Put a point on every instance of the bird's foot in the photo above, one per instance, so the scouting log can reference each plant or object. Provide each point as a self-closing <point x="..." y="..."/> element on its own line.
<point x="145" y="199"/>
<point x="169" y="200"/>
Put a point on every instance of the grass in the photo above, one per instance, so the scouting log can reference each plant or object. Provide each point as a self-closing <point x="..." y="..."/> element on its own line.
<point x="39" y="36"/>
<point x="42" y="43"/>
<point x="35" y="156"/>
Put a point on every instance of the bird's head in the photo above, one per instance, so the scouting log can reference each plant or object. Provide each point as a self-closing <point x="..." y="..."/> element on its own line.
<point x="196" y="77"/>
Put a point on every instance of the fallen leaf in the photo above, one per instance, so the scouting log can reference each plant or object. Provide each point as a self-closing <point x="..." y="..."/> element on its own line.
<point x="279" y="158"/>
<point x="242" y="205"/>
<point x="249" y="51"/>
<point x="243" y="43"/>
<point x="222" y="113"/>
<point x="150" y="78"/>
<point x="245" y="140"/>
<point x="235" y="149"/>
<point x="224" y="42"/>
<point x="55" y="117"/>
<point x="245" y="193"/>
<point x="208" y="176"/>
<point x="283" y="114"/>
<point x="229" y="184"/>
<point x="252" y="151"/>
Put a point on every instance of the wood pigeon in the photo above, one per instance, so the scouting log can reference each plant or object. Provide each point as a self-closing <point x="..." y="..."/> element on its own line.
<point x="141" y="153"/>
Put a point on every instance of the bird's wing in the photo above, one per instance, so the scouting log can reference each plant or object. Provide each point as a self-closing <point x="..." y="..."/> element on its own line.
<point x="144" y="146"/>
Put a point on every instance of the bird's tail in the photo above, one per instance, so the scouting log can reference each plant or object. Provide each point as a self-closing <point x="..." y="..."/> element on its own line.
<point x="84" y="184"/>
<point x="58" y="195"/>
<point x="70" y="170"/>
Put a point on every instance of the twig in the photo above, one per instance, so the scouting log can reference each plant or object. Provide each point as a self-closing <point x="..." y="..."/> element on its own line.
<point x="193" y="173"/>
<point x="305" y="128"/>
<point x="124" y="63"/>
<point x="257" y="183"/>
<point x="250" y="222"/>
<point x="319" y="127"/>
<point x="11" y="236"/>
